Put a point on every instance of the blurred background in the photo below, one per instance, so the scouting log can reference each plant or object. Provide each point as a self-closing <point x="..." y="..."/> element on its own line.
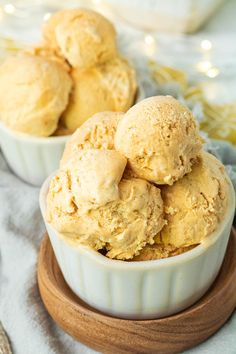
<point x="186" y="48"/>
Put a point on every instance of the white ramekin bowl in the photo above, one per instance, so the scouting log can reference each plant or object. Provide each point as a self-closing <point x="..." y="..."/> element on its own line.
<point x="141" y="290"/>
<point x="32" y="158"/>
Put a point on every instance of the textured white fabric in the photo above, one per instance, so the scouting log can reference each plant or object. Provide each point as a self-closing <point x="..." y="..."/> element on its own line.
<point x="22" y="313"/>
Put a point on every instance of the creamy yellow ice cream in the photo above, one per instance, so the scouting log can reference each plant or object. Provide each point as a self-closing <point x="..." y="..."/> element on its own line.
<point x="84" y="37"/>
<point x="160" y="139"/>
<point x="160" y="251"/>
<point x="94" y="176"/>
<point x="96" y="133"/>
<point x="34" y="91"/>
<point x="88" y="97"/>
<point x="102" y="80"/>
<point x="118" y="76"/>
<point x="61" y="130"/>
<point x="50" y="54"/>
<point x="98" y="200"/>
<point x="86" y="204"/>
<point x="108" y="87"/>
<point x="195" y="204"/>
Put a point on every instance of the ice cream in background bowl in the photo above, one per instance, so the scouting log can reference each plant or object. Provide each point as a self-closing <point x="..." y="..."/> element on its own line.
<point x="84" y="37"/>
<point x="108" y="87"/>
<point x="34" y="91"/>
<point x="49" y="90"/>
<point x="130" y="246"/>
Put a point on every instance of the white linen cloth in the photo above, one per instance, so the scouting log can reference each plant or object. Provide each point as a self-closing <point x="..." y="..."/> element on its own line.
<point x="29" y="328"/>
<point x="22" y="313"/>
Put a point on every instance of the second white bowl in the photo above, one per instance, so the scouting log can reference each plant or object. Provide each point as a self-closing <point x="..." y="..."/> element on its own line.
<point x="31" y="158"/>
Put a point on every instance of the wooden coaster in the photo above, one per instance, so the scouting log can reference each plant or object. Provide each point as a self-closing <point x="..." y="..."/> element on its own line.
<point x="118" y="336"/>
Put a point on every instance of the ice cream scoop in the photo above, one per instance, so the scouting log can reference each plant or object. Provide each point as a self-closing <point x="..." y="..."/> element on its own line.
<point x="86" y="204"/>
<point x="159" y="137"/>
<point x="96" y="133"/>
<point x="34" y="91"/>
<point x="94" y="176"/>
<point x="196" y="204"/>
<point x="84" y="37"/>
<point x="108" y="87"/>
<point x="119" y="77"/>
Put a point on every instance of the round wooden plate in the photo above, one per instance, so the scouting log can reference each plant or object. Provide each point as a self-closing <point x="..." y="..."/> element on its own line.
<point x="113" y="335"/>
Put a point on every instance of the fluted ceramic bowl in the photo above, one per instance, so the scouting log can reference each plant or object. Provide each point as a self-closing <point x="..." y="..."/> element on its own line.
<point x="146" y="289"/>
<point x="31" y="158"/>
<point x="34" y="158"/>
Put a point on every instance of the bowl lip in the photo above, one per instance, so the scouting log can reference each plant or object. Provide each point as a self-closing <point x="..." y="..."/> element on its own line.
<point x="150" y="264"/>
<point x="33" y="139"/>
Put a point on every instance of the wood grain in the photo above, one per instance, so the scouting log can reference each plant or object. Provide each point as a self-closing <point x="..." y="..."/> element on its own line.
<point x="117" y="336"/>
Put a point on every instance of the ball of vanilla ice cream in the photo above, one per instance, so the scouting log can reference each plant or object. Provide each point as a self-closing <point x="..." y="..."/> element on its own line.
<point x="88" y="97"/>
<point x="89" y="204"/>
<point x="108" y="87"/>
<point x="195" y="204"/>
<point x="84" y="37"/>
<point x="133" y="220"/>
<point x="96" y="133"/>
<point x="34" y="91"/>
<point x="95" y="175"/>
<point x="119" y="77"/>
<point x="160" y="139"/>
